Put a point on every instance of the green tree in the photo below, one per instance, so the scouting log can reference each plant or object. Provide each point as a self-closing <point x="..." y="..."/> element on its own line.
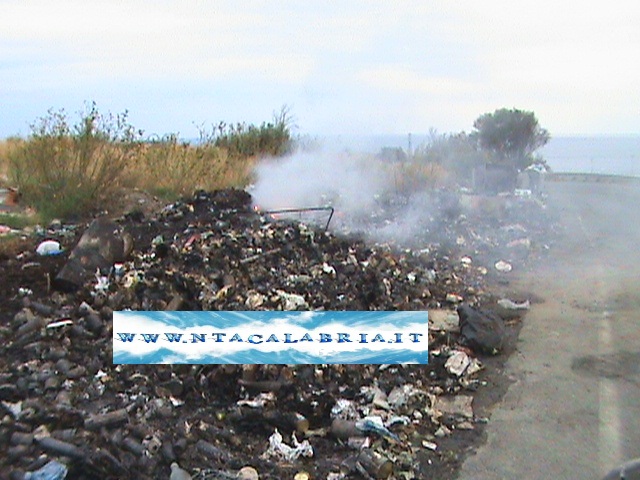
<point x="510" y="136"/>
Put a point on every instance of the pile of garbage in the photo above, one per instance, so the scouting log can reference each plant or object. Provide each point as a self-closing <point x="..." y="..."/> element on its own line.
<point x="67" y="411"/>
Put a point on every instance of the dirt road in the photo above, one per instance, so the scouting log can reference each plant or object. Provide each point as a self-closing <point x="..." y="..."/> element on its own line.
<point x="573" y="411"/>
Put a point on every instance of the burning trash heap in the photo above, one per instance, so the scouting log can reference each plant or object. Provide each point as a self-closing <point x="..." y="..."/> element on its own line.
<point x="68" y="411"/>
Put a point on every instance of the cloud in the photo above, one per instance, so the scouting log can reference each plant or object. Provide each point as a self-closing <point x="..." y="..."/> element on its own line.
<point x="401" y="79"/>
<point x="357" y="67"/>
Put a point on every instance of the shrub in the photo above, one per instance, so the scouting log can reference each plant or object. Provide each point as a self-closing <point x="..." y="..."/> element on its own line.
<point x="453" y="153"/>
<point x="65" y="169"/>
<point x="510" y="136"/>
<point x="243" y="140"/>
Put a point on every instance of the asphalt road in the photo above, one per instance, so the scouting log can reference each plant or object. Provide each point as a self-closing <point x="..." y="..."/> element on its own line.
<point x="573" y="411"/>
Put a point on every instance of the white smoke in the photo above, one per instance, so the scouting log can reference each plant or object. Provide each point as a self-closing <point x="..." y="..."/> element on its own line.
<point x="362" y="189"/>
<point x="346" y="182"/>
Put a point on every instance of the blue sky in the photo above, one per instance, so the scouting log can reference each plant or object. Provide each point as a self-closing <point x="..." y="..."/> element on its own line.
<point x="356" y="67"/>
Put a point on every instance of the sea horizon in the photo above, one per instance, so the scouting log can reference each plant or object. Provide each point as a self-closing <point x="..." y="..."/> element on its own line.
<point x="601" y="154"/>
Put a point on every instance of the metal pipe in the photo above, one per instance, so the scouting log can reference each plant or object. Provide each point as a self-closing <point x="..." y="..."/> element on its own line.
<point x="331" y="211"/>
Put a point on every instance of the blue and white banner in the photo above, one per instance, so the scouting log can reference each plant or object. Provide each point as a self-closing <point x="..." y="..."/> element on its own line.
<point x="270" y="337"/>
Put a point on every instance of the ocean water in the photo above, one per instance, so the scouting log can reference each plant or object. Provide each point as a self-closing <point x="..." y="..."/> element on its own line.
<point x="614" y="155"/>
<point x="609" y="155"/>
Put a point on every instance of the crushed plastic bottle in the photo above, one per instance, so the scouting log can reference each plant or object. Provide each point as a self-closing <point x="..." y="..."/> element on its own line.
<point x="511" y="305"/>
<point x="503" y="266"/>
<point x="53" y="470"/>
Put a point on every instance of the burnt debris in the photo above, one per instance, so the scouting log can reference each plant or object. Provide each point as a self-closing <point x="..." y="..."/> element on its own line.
<point x="65" y="408"/>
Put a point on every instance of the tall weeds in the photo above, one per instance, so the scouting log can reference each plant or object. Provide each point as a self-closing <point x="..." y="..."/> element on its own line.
<point x="270" y="138"/>
<point x="64" y="169"/>
<point x="169" y="167"/>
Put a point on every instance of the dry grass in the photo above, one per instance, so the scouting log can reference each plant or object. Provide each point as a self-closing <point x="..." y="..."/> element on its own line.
<point x="171" y="168"/>
<point x="7" y="148"/>
<point x="65" y="170"/>
<point x="61" y="176"/>
<point x="415" y="176"/>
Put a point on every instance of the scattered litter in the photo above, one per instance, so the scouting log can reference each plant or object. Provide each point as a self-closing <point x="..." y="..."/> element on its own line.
<point x="358" y="443"/>
<point x="520" y="242"/>
<point x="52" y="470"/>
<point x="60" y="323"/>
<point x="430" y="276"/>
<point x="292" y="301"/>
<point x="260" y="401"/>
<point x="248" y="473"/>
<point x="430" y="445"/>
<point x="522" y="193"/>
<point x="454" y="298"/>
<point x="457" y="363"/>
<point x="465" y="426"/>
<point x="27" y="265"/>
<point x="443" y="320"/>
<point x="277" y="448"/>
<point x="344" y="409"/>
<point x="118" y="270"/>
<point x="511" y="305"/>
<point x="102" y="282"/>
<point x="254" y="300"/>
<point x="474" y="367"/>
<point x="372" y="464"/>
<point x="503" y="266"/>
<point x="328" y="269"/>
<point x="15" y="409"/>
<point x="199" y="262"/>
<point x="458" y="405"/>
<point x="404" y="395"/>
<point x="178" y="473"/>
<point x="49" y="247"/>
<point x="336" y="476"/>
<point x="374" y="424"/>
<point x="377" y="397"/>
<point x="442" y="431"/>
<point x="514" y="227"/>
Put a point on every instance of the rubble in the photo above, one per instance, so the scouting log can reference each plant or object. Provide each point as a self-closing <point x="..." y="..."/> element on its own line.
<point x="481" y="330"/>
<point x="459" y="405"/>
<point x="63" y="400"/>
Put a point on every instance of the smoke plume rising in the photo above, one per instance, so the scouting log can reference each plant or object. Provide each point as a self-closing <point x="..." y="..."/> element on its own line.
<point x="364" y="191"/>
